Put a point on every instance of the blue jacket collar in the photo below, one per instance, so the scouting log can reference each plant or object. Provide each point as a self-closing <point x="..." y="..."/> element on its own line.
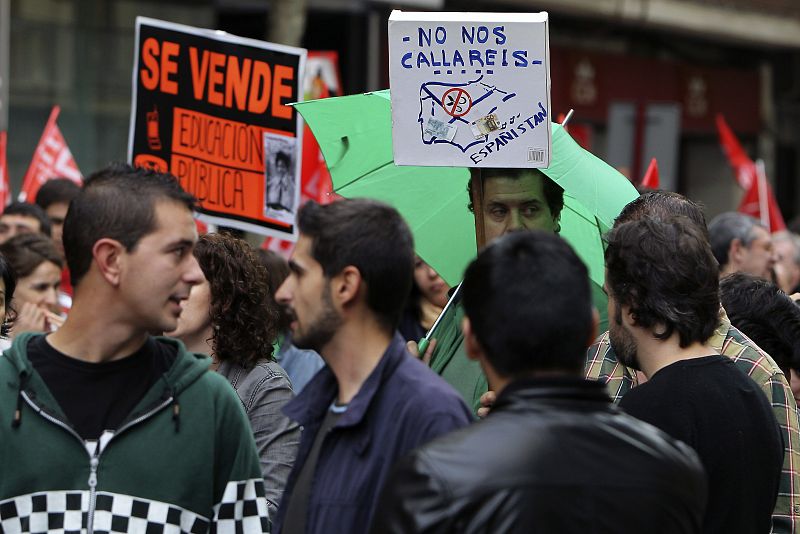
<point x="312" y="403"/>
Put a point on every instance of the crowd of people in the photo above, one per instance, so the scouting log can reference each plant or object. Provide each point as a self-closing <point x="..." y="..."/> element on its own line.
<point x="154" y="380"/>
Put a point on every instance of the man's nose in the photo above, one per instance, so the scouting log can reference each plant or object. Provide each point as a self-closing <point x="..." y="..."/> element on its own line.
<point x="284" y="293"/>
<point x="194" y="274"/>
<point x="51" y="297"/>
<point x="515" y="222"/>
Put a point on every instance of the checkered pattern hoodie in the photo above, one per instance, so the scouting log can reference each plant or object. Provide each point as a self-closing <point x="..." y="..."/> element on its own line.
<point x="184" y="461"/>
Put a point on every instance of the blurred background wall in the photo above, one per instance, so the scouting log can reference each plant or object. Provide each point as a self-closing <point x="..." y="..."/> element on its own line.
<point x="645" y="77"/>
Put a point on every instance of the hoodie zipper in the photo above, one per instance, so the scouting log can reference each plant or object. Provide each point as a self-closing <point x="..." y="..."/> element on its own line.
<point x="94" y="459"/>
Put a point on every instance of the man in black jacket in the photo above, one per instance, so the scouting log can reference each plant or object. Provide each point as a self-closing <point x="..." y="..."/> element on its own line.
<point x="554" y="455"/>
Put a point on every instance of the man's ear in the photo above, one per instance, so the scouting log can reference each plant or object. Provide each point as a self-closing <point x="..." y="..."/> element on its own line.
<point x="628" y="317"/>
<point x="735" y="251"/>
<point x="557" y="224"/>
<point x="471" y="343"/>
<point x="107" y="256"/>
<point x="346" y="286"/>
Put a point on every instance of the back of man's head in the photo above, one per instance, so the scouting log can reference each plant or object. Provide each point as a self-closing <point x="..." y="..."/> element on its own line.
<point x="528" y="300"/>
<point x="765" y="314"/>
<point x="371" y="236"/>
<point x="56" y="191"/>
<point x="31" y="211"/>
<point x="665" y="272"/>
<point x="119" y="203"/>
<point x="662" y="205"/>
<point x="726" y="227"/>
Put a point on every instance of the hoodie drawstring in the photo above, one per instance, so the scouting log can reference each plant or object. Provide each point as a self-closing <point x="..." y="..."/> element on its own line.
<point x="176" y="406"/>
<point x="176" y="413"/>
<point x="17" y="419"/>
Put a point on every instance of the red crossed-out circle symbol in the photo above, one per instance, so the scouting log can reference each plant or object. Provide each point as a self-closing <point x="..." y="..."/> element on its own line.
<point x="456" y="102"/>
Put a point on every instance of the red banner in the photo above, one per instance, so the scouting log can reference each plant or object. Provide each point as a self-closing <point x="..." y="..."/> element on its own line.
<point x="651" y="179"/>
<point x="759" y="202"/>
<point x="743" y="166"/>
<point x="52" y="159"/>
<point x="5" y="189"/>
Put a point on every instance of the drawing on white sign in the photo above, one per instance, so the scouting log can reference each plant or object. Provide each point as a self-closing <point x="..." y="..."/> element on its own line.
<point x="490" y="110"/>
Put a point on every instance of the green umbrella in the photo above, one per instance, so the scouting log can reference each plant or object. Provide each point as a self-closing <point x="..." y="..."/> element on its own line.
<point x="354" y="133"/>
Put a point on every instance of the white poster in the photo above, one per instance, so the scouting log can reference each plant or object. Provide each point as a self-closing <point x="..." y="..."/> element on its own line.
<point x="470" y="89"/>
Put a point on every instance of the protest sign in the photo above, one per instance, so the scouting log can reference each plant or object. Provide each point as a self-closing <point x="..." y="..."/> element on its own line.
<point x="321" y="80"/>
<point x="211" y="108"/>
<point x="51" y="159"/>
<point x="470" y="89"/>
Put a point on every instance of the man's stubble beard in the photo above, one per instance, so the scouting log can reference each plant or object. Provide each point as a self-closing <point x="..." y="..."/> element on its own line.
<point x="317" y="334"/>
<point x="622" y="343"/>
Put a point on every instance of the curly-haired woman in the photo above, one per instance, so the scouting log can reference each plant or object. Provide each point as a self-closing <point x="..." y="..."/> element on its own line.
<point x="8" y="282"/>
<point x="232" y="317"/>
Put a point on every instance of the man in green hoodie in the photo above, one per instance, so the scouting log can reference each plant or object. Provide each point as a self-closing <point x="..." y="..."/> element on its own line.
<point x="103" y="426"/>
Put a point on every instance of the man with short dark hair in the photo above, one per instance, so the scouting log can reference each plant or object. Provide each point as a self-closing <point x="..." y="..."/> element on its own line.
<point x="663" y="288"/>
<point x="603" y="364"/>
<point x="54" y="197"/>
<point x="105" y="428"/>
<point x="553" y="441"/>
<point x="741" y="244"/>
<point x="350" y="273"/>
<point x="23" y="218"/>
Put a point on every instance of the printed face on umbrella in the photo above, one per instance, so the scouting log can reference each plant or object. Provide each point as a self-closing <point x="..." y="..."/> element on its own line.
<point x="515" y="203"/>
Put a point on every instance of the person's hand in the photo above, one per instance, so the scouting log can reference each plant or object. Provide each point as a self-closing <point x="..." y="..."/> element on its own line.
<point x="795" y="296"/>
<point x="53" y="321"/>
<point x="413" y="348"/>
<point x="487" y="401"/>
<point x="31" y="318"/>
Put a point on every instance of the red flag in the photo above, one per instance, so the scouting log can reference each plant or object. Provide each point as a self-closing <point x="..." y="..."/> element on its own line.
<point x="52" y="159"/>
<point x="742" y="165"/>
<point x="650" y="180"/>
<point x="5" y="188"/>
<point x="281" y="246"/>
<point x="760" y="203"/>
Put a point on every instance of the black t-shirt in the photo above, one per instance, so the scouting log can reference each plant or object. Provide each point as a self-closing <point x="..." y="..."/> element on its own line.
<point x="720" y="412"/>
<point x="295" y="520"/>
<point x="97" y="397"/>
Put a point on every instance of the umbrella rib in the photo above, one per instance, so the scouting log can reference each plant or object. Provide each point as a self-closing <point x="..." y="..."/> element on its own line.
<point x="357" y="178"/>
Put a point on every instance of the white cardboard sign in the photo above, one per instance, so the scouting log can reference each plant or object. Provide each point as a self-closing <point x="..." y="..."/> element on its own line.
<point x="470" y="89"/>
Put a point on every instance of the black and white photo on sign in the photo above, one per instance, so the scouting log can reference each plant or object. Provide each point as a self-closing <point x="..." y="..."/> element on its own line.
<point x="281" y="177"/>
